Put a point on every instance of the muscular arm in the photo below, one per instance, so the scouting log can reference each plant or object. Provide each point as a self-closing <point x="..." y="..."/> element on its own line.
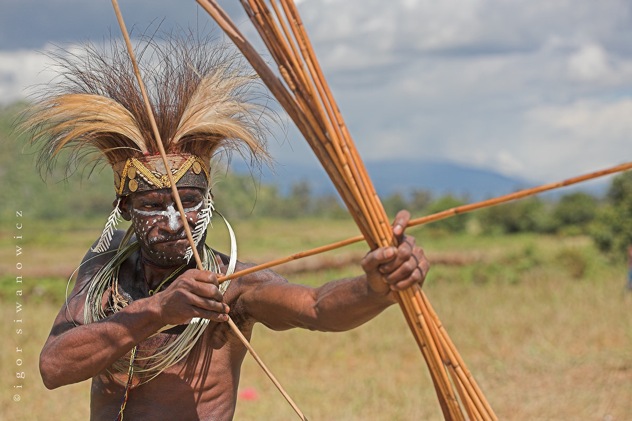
<point x="338" y="305"/>
<point x="75" y="352"/>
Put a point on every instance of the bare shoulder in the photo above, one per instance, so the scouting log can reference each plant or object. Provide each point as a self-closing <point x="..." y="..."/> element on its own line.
<point x="268" y="298"/>
<point x="254" y="283"/>
<point x="245" y="292"/>
<point x="91" y="263"/>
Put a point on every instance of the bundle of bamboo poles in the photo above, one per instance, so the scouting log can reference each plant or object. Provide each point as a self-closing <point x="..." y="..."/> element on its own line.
<point x="306" y="97"/>
<point x="422" y="319"/>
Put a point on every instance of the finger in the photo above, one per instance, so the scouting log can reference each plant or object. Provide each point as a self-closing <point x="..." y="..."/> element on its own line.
<point x="180" y="305"/>
<point x="205" y="276"/>
<point x="401" y="272"/>
<point x="409" y="257"/>
<point x="208" y="304"/>
<point x="416" y="276"/>
<point x="400" y="224"/>
<point x="200" y="287"/>
<point x="380" y="256"/>
<point x="211" y="315"/>
<point x="201" y="282"/>
<point x="206" y="290"/>
<point x="404" y="251"/>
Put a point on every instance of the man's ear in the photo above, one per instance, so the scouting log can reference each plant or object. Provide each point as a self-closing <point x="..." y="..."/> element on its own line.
<point x="124" y="206"/>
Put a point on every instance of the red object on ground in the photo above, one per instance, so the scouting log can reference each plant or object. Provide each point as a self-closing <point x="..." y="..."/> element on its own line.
<point x="248" y="394"/>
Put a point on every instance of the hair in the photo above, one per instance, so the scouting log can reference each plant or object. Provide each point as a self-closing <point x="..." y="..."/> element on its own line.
<point x="205" y="99"/>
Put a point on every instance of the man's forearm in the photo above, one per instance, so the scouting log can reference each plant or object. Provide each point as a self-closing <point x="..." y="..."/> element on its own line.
<point x="84" y="351"/>
<point x="348" y="303"/>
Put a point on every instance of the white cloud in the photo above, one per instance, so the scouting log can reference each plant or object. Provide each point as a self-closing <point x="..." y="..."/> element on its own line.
<point x="470" y="81"/>
<point x="539" y="89"/>
<point x="20" y="70"/>
<point x="590" y="124"/>
<point x="560" y="141"/>
<point x="589" y="63"/>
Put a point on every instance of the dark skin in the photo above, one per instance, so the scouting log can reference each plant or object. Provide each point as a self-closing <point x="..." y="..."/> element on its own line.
<point x="204" y="385"/>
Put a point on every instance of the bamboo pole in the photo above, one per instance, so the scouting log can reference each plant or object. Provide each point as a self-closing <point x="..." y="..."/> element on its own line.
<point x="448" y="213"/>
<point x="418" y="326"/>
<point x="456" y="357"/>
<point x="358" y="192"/>
<point x="176" y="197"/>
<point x="315" y="112"/>
<point x="434" y="361"/>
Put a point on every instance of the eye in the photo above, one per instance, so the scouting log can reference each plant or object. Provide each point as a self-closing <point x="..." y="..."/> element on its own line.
<point x="190" y="202"/>
<point x="149" y="206"/>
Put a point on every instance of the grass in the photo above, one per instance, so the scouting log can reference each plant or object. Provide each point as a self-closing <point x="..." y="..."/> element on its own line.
<point x="543" y="324"/>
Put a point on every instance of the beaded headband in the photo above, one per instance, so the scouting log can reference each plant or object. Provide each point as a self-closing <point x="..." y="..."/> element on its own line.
<point x="149" y="173"/>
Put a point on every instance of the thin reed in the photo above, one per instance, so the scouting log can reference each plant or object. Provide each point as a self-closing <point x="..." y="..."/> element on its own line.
<point x="306" y="97"/>
<point x="199" y="325"/>
<point x="444" y="214"/>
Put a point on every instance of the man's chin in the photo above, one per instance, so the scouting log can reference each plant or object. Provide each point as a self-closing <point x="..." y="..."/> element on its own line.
<point x="167" y="253"/>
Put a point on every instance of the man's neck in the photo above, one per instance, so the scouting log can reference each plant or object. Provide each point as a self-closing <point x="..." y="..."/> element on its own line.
<point x="154" y="274"/>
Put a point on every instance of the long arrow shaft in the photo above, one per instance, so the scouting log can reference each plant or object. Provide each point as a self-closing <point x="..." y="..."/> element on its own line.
<point x="458" y="210"/>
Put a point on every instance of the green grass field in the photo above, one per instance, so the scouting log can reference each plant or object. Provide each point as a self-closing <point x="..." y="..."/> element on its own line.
<point x="543" y="323"/>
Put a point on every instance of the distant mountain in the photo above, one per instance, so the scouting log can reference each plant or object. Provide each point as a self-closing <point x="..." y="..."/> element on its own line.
<point x="390" y="176"/>
<point x="438" y="177"/>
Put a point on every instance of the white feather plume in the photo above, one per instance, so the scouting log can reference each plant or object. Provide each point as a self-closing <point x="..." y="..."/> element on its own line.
<point x="204" y="219"/>
<point x="108" y="231"/>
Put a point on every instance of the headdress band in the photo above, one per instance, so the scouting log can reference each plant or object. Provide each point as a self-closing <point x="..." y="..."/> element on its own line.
<point x="147" y="173"/>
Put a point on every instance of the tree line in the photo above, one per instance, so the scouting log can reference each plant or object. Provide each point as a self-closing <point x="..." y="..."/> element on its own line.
<point x="607" y="220"/>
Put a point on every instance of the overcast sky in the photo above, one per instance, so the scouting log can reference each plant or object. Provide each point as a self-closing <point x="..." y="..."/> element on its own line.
<point x="540" y="89"/>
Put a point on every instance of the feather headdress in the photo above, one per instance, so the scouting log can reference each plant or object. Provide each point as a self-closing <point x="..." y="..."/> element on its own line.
<point x="202" y="94"/>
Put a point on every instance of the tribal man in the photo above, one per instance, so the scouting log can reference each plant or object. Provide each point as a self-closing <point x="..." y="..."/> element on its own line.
<point x="146" y="326"/>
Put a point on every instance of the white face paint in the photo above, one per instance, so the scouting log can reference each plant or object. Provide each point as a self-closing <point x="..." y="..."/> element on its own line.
<point x="159" y="227"/>
<point x="171" y="214"/>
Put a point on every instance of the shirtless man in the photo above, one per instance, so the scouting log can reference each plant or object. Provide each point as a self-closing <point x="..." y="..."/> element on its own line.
<point x="204" y="385"/>
<point x="139" y="291"/>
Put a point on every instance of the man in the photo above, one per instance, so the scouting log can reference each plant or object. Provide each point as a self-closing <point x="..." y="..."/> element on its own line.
<point x="130" y="323"/>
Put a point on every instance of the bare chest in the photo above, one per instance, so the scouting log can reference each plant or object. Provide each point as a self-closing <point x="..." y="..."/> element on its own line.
<point x="201" y="386"/>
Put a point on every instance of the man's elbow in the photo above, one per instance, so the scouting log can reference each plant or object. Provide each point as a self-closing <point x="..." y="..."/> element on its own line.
<point x="49" y="373"/>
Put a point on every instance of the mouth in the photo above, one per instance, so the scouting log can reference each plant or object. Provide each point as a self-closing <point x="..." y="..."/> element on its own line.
<point x="168" y="240"/>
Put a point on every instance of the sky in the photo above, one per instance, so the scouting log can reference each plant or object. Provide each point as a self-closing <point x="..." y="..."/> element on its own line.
<point x="536" y="89"/>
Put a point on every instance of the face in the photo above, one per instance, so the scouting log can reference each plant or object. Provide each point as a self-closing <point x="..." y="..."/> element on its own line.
<point x="158" y="225"/>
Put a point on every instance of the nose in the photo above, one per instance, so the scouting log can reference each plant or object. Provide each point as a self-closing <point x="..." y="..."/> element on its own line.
<point x="174" y="222"/>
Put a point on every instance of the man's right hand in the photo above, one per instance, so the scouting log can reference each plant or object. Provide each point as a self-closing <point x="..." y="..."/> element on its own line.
<point x="195" y="293"/>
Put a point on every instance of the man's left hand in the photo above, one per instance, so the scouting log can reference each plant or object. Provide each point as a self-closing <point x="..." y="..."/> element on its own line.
<point x="396" y="268"/>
